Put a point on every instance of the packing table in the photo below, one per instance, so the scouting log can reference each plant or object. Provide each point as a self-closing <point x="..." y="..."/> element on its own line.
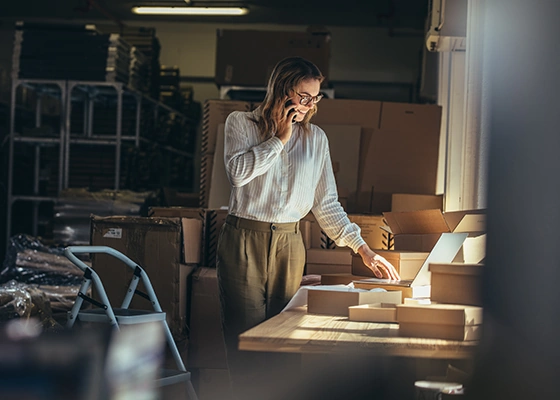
<point x="296" y="331"/>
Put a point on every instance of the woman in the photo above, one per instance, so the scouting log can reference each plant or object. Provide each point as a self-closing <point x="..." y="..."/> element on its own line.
<point x="279" y="167"/>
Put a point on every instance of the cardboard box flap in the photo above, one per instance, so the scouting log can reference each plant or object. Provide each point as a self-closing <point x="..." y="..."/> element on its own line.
<point x="435" y="221"/>
<point x="414" y="222"/>
<point x="456" y="269"/>
<point x="442" y="314"/>
<point x="466" y="221"/>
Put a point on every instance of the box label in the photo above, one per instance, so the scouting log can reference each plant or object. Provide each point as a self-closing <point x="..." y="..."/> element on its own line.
<point x="113" y="233"/>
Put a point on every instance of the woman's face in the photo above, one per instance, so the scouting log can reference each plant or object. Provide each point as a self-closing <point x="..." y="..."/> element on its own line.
<point x="305" y="90"/>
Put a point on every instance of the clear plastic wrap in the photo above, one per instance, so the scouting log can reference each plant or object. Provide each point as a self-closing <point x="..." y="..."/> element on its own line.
<point x="20" y="300"/>
<point x="74" y="207"/>
<point x="29" y="261"/>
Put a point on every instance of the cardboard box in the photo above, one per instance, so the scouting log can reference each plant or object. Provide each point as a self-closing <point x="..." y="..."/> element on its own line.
<point x="344" y="145"/>
<point x="455" y="283"/>
<point x="440" y="321"/>
<point x="206" y="340"/>
<point x="215" y="113"/>
<point x="212" y="221"/>
<point x="218" y="187"/>
<point x="420" y="230"/>
<point x="401" y="162"/>
<point x="371" y="231"/>
<point x="236" y="63"/>
<point x="392" y="159"/>
<point x="336" y="302"/>
<point x="407" y="117"/>
<point x="366" y="114"/>
<point x="377" y="312"/>
<point x="407" y="263"/>
<point x="415" y="202"/>
<point x="192" y="224"/>
<point x="320" y="261"/>
<point x="313" y="236"/>
<point x="154" y="244"/>
<point x="369" y="201"/>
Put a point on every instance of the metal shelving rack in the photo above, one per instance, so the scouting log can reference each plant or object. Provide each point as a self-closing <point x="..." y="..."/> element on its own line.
<point x="41" y="88"/>
<point x="88" y="92"/>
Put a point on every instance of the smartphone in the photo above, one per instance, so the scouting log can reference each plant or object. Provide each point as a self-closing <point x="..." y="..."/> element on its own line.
<point x="289" y="103"/>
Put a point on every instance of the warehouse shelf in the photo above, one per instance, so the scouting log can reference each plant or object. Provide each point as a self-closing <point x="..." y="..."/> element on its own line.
<point x="24" y="93"/>
<point x="132" y="121"/>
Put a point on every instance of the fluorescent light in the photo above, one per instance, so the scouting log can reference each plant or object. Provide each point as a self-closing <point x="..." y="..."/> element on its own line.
<point x="190" y="10"/>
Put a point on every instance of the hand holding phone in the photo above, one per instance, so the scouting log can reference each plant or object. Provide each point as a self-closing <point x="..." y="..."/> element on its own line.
<point x="292" y="113"/>
<point x="286" y="119"/>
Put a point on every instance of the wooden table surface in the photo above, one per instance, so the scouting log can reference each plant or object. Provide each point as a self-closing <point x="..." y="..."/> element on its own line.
<point x="296" y="331"/>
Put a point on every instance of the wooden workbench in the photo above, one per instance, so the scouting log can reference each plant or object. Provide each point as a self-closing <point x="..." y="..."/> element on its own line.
<point x="296" y="331"/>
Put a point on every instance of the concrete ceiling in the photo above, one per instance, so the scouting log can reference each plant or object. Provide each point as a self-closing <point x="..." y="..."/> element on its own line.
<point x="391" y="14"/>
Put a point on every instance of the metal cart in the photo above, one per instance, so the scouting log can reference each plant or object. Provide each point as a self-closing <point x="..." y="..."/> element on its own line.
<point x="104" y="312"/>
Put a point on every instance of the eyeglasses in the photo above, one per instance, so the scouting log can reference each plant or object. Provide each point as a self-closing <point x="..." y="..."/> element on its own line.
<point x="305" y="99"/>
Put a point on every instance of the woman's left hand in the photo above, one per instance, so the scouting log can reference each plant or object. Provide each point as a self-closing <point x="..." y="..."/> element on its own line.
<point x="380" y="267"/>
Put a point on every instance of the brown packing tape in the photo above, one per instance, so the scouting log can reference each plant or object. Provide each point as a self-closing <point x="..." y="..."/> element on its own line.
<point x="213" y="224"/>
<point x="206" y="163"/>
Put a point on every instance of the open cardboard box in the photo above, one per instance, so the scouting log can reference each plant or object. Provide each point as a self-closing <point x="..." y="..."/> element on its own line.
<point x="415" y="202"/>
<point x="440" y="321"/>
<point x="420" y="230"/>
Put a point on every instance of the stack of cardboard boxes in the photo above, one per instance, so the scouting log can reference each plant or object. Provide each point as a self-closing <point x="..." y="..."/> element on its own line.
<point x="451" y="309"/>
<point x="176" y="246"/>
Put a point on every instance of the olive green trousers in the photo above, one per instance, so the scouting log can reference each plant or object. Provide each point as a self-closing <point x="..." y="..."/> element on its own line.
<point x="259" y="266"/>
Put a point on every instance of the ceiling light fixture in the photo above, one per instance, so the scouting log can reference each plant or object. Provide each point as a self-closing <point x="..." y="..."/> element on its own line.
<point x="213" y="11"/>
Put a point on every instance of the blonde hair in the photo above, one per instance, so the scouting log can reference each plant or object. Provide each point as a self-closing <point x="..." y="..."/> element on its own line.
<point x="285" y="77"/>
